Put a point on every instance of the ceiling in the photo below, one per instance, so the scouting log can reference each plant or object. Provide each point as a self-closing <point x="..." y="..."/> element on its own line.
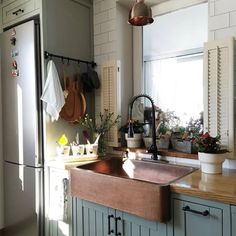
<point x="129" y="3"/>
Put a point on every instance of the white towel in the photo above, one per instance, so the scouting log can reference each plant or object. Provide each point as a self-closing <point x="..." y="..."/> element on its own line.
<point x="52" y="92"/>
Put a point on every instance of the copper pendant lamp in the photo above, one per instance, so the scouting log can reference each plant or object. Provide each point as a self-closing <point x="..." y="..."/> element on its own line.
<point x="140" y="14"/>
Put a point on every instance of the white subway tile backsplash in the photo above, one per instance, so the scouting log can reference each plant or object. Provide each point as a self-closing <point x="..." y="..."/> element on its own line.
<point x="218" y="22"/>
<point x="101" y="17"/>
<point x="112" y="56"/>
<point x="224" y="6"/>
<point x="108" y="26"/>
<point x="112" y="13"/>
<point x="227" y="32"/>
<point x="96" y="8"/>
<point x="211" y="8"/>
<point x="100" y="59"/>
<point x="108" y="47"/>
<point x="232" y="19"/>
<point x="108" y="4"/>
<point x="211" y="35"/>
<point x="112" y="36"/>
<point x="97" y="29"/>
<point x="97" y="50"/>
<point x="101" y="39"/>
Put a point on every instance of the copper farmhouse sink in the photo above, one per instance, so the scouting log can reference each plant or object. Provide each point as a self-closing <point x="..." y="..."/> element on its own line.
<point x="137" y="187"/>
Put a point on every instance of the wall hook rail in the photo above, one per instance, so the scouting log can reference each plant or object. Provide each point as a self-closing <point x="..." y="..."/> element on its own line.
<point x="50" y="55"/>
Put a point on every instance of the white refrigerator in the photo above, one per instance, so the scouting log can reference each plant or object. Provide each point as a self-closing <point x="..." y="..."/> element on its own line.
<point x="22" y="130"/>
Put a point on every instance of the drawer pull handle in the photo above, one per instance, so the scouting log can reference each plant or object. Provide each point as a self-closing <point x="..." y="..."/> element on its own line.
<point x="17" y="12"/>
<point x="116" y="227"/>
<point x="109" y="224"/>
<point x="203" y="213"/>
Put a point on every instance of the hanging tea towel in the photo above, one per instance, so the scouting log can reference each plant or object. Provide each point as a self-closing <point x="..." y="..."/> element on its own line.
<point x="52" y="92"/>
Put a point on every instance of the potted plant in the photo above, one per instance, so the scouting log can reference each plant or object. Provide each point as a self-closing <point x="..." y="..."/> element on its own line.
<point x="183" y="138"/>
<point x="164" y="123"/>
<point x="100" y="127"/>
<point x="210" y="153"/>
<point x="135" y="141"/>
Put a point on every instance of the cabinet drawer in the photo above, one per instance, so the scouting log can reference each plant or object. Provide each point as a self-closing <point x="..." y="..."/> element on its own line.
<point x="233" y="220"/>
<point x="17" y="9"/>
<point x="193" y="219"/>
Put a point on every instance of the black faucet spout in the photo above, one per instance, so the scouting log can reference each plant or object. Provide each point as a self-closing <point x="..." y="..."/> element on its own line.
<point x="153" y="148"/>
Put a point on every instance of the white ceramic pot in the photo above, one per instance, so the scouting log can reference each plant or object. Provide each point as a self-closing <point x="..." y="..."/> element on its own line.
<point x="135" y="141"/>
<point x="211" y="163"/>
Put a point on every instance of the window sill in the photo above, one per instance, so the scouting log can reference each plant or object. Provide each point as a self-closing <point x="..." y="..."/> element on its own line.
<point x="162" y="152"/>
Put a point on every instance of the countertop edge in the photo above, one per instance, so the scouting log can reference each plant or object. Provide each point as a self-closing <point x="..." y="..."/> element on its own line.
<point x="206" y="195"/>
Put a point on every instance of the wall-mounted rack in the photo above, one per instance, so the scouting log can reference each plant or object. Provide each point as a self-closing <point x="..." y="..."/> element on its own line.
<point x="50" y="55"/>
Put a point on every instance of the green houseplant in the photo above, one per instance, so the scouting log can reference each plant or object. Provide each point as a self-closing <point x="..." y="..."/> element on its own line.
<point x="138" y="129"/>
<point x="183" y="138"/>
<point x="210" y="153"/>
<point x="100" y="126"/>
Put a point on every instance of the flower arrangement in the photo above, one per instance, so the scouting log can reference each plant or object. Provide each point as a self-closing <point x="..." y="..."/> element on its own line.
<point x="137" y="127"/>
<point x="208" y="144"/>
<point x="100" y="126"/>
<point x="103" y="125"/>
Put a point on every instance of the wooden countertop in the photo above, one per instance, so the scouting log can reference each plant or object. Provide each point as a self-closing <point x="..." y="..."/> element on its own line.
<point x="220" y="187"/>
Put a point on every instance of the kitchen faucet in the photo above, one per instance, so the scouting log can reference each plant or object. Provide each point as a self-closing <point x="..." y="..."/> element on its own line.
<point x="153" y="148"/>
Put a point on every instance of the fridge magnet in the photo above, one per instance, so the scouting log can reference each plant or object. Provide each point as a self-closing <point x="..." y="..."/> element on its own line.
<point x="13" y="32"/>
<point x="14" y="73"/>
<point x="13" y="41"/>
<point x="14" y="64"/>
<point x="14" y="53"/>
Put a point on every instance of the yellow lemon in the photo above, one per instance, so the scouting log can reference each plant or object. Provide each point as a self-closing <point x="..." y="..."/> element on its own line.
<point x="63" y="140"/>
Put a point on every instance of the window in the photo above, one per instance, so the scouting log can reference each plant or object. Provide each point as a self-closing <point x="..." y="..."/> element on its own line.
<point x="173" y="61"/>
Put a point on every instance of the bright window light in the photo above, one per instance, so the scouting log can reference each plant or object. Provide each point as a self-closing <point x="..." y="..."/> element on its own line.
<point x="176" y="84"/>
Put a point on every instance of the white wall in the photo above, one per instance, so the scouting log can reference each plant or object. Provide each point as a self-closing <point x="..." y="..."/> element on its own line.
<point x="222" y="19"/>
<point x="67" y="31"/>
<point x="105" y="40"/>
<point x="112" y="41"/>
<point x="222" y="24"/>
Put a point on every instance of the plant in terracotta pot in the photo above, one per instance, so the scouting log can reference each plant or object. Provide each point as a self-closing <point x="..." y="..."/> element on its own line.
<point x="138" y="130"/>
<point x="210" y="153"/>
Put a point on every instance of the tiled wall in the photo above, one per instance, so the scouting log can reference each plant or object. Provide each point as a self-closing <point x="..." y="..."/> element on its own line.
<point x="222" y="24"/>
<point x="105" y="42"/>
<point x="222" y="19"/>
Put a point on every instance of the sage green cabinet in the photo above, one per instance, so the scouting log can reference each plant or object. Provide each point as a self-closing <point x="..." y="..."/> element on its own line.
<point x="233" y="220"/>
<point x="194" y="217"/>
<point x="133" y="226"/>
<point x="90" y="219"/>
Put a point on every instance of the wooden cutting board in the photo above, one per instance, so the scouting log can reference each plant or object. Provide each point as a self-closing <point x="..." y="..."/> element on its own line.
<point x="75" y="103"/>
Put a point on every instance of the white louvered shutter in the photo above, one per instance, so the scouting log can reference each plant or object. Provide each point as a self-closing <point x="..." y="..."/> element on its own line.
<point x="219" y="91"/>
<point x="110" y="96"/>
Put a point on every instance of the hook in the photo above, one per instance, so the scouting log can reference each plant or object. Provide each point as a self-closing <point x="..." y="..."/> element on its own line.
<point x="62" y="60"/>
<point x="46" y="55"/>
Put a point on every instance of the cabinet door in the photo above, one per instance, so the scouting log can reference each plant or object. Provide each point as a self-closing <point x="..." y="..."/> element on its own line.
<point x="233" y="220"/>
<point x="90" y="219"/>
<point x="131" y="225"/>
<point x="190" y="222"/>
<point x="57" y="203"/>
